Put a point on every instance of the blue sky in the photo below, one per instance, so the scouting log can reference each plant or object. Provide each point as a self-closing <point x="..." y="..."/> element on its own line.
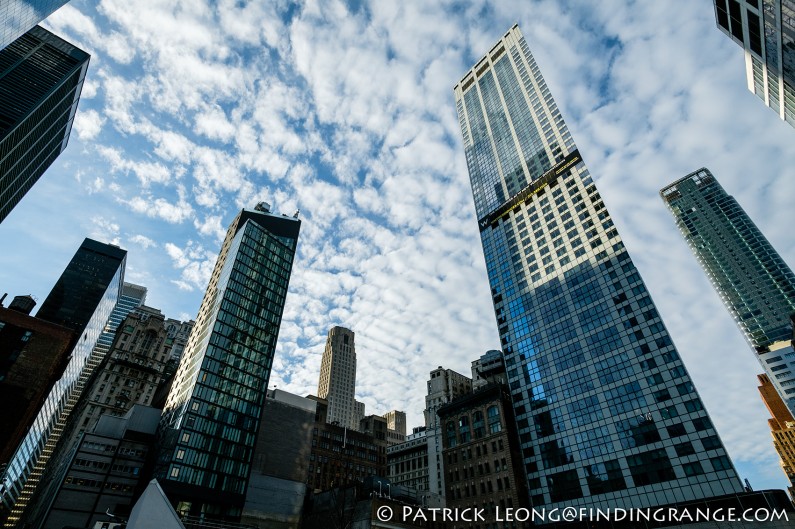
<point x="194" y="109"/>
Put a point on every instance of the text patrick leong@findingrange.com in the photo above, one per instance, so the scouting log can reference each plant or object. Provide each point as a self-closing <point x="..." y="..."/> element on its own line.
<point x="411" y="513"/>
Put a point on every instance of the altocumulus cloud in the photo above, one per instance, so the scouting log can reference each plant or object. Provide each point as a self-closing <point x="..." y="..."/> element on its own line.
<point x="195" y="109"/>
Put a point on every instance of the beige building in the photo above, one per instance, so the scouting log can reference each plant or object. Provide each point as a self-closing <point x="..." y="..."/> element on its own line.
<point x="337" y="384"/>
<point x="396" y="427"/>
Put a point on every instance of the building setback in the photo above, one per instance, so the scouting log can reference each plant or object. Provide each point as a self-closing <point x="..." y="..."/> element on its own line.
<point x="215" y="403"/>
<point x="41" y="77"/>
<point x="766" y="32"/>
<point x="607" y="415"/>
<point x="82" y="300"/>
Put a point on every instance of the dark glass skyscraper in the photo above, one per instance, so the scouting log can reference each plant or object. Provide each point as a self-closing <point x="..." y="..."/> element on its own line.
<point x="82" y="300"/>
<point x="41" y="77"/>
<point x="18" y="16"/>
<point x="213" y="410"/>
<point x="606" y="413"/>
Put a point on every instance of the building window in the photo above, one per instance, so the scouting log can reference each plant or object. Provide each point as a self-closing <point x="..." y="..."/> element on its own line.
<point x="494" y="419"/>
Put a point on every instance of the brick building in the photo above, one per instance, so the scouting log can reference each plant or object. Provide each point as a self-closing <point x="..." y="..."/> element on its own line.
<point x="33" y="355"/>
<point x="481" y="457"/>
<point x="341" y="455"/>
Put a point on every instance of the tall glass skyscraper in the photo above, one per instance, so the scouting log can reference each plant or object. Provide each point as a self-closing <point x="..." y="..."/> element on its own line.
<point x="766" y="32"/>
<point x="213" y="410"/>
<point x="41" y="77"/>
<point x="83" y="299"/>
<point x="18" y="16"/>
<point x="606" y="412"/>
<point x="752" y="279"/>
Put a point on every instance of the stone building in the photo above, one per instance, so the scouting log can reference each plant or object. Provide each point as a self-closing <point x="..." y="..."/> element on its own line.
<point x="482" y="460"/>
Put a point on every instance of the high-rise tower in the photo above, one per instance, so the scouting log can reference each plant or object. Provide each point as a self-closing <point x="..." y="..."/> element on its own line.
<point x="606" y="413"/>
<point x="41" y="77"/>
<point x="337" y="382"/>
<point x="82" y="300"/>
<point x="18" y="16"/>
<point x="754" y="282"/>
<point x="751" y="278"/>
<point x="766" y="32"/>
<point x="213" y="409"/>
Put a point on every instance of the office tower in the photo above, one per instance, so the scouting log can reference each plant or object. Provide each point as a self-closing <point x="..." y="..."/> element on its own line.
<point x="607" y="415"/>
<point x="481" y="457"/>
<point x="213" y="409"/>
<point x="18" y="16"/>
<point x="41" y="77"/>
<point x="337" y="382"/>
<point x="765" y="32"/>
<point x="754" y="282"/>
<point x="488" y="369"/>
<point x="443" y="386"/>
<point x="782" y="428"/>
<point x="104" y="473"/>
<point x="33" y="354"/>
<point x="82" y="300"/>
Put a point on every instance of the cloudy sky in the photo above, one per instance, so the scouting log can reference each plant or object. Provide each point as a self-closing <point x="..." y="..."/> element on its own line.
<point x="193" y="109"/>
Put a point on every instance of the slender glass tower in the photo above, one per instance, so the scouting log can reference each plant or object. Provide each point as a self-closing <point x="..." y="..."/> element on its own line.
<point x="41" y="77"/>
<point x="213" y="410"/>
<point x="82" y="300"/>
<point x="606" y="412"/>
<point x="754" y="282"/>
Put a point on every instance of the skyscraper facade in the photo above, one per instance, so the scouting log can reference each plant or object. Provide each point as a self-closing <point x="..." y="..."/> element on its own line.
<point x="213" y="409"/>
<point x="754" y="282"/>
<point x="607" y="415"/>
<point x="337" y="383"/>
<point x="41" y="77"/>
<point x="766" y="32"/>
<point x="82" y="300"/>
<point x="18" y="16"/>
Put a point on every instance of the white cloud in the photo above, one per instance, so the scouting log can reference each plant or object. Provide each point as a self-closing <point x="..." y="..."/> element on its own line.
<point x="88" y="124"/>
<point x="143" y="241"/>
